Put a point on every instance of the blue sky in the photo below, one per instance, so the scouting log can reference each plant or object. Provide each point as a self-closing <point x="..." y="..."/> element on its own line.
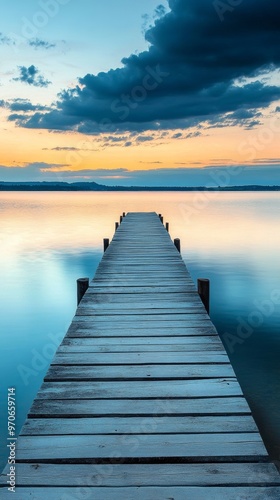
<point x="139" y="92"/>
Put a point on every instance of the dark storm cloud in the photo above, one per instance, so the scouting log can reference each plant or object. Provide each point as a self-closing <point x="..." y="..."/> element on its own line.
<point x="188" y="75"/>
<point x="31" y="76"/>
<point x="160" y="11"/>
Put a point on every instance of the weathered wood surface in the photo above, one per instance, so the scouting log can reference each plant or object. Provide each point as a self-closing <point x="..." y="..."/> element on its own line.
<point x="199" y="447"/>
<point x="129" y="475"/>
<point x="145" y="493"/>
<point x="141" y="358"/>
<point x="133" y="425"/>
<point x="138" y="372"/>
<point x="140" y="401"/>
<point x="140" y="390"/>
<point x="146" y="407"/>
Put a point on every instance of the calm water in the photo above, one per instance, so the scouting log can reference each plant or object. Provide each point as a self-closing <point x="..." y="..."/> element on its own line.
<point x="48" y="240"/>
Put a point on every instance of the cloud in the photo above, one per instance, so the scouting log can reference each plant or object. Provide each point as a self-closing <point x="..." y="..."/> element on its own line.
<point x="160" y="11"/>
<point x="41" y="44"/>
<point x="31" y="76"/>
<point x="23" y="105"/>
<point x="191" y="135"/>
<point x="5" y="40"/>
<point x="67" y="148"/>
<point x="197" y="69"/>
<point x="151" y="162"/>
<point x="145" y="138"/>
<point x="29" y="172"/>
<point x="148" y="20"/>
<point x="58" y="148"/>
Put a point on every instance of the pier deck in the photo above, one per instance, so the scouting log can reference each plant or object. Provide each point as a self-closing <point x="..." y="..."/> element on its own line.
<point x="140" y="401"/>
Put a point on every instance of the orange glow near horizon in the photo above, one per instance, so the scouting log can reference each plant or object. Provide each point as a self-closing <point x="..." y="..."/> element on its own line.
<point x="221" y="146"/>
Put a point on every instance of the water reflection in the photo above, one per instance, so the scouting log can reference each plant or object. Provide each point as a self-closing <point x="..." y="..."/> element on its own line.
<point x="48" y="240"/>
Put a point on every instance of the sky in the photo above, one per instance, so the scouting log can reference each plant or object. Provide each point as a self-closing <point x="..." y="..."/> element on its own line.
<point x="121" y="92"/>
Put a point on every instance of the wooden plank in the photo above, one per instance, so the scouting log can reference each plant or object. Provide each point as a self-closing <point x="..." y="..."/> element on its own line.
<point x="168" y="341"/>
<point x="146" y="358"/>
<point x="130" y="260"/>
<point x="85" y="330"/>
<point x="138" y="425"/>
<point x="142" y="341"/>
<point x="112" y="302"/>
<point x="131" y="475"/>
<point x="75" y="332"/>
<point x="102" y="288"/>
<point x="145" y="341"/>
<point x="137" y="348"/>
<point x="147" y="493"/>
<point x="140" y="389"/>
<point x="141" y="298"/>
<point x="89" y="310"/>
<point x="150" y="315"/>
<point x="119" y="280"/>
<point x="151" y="321"/>
<point x="55" y="408"/>
<point x="93" y="447"/>
<point x="135" y="372"/>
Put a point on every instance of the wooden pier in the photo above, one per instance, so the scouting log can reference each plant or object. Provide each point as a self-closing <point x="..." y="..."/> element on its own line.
<point x="141" y="401"/>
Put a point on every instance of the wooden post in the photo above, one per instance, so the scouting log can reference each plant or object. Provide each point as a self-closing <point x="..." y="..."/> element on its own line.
<point x="159" y="215"/>
<point x="106" y="243"/>
<point x="82" y="286"/>
<point x="124" y="214"/>
<point x="203" y="288"/>
<point x="167" y="226"/>
<point x="161" y="219"/>
<point x="177" y="243"/>
<point x="117" y="225"/>
<point x="121" y="219"/>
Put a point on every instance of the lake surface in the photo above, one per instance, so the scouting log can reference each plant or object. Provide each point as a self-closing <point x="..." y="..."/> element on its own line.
<point x="48" y="240"/>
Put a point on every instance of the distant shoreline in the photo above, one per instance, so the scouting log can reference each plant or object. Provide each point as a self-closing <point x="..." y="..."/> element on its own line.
<point x="94" y="187"/>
